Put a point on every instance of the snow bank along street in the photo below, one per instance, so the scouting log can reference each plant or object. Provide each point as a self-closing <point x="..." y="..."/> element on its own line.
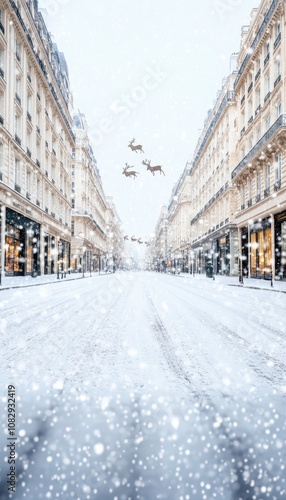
<point x="144" y="386"/>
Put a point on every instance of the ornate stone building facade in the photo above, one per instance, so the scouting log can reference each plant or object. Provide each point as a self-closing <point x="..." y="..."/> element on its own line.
<point x="35" y="144"/>
<point x="89" y="205"/>
<point x="213" y="228"/>
<point x="260" y="171"/>
<point x="115" y="241"/>
<point x="179" y="214"/>
<point x="53" y="207"/>
<point x="158" y="256"/>
<point x="238" y="173"/>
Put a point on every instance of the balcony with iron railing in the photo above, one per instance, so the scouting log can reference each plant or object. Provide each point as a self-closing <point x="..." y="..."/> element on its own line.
<point x="258" y="197"/>
<point x="38" y="163"/>
<point x="29" y="116"/>
<point x="266" y="192"/>
<point x="18" y="140"/>
<point x="277" y="185"/>
<point x="267" y="59"/>
<point x="38" y="130"/>
<point x="277" y="41"/>
<point x="257" y="75"/>
<point x="38" y="203"/>
<point x="242" y="100"/>
<point x="249" y="203"/>
<point x="226" y="99"/>
<point x="17" y="188"/>
<point x="278" y="79"/>
<point x="250" y="88"/>
<point x="1" y="120"/>
<point x="257" y="109"/>
<point x="217" y="195"/>
<point x="278" y="125"/>
<point x="18" y="99"/>
<point x="29" y="152"/>
<point x="2" y="28"/>
<point x="2" y="73"/>
<point x="267" y="96"/>
<point x="28" y="196"/>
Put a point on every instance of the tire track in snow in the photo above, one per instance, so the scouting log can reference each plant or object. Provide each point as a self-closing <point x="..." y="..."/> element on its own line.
<point x="251" y="355"/>
<point x="94" y="345"/>
<point x="236" y="308"/>
<point x="175" y="363"/>
<point x="43" y="348"/>
<point x="105" y="350"/>
<point x="235" y="445"/>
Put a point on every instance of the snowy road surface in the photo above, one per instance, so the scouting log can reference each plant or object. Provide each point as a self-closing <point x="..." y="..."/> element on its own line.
<point x="145" y="386"/>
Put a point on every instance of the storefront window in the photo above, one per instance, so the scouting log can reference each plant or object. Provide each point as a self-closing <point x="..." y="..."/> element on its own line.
<point x="261" y="252"/>
<point x="267" y="250"/>
<point x="253" y="253"/>
<point x="21" y="244"/>
<point x="13" y="247"/>
<point x="29" y="253"/>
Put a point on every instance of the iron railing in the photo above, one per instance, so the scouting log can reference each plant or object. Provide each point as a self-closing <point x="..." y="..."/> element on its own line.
<point x="268" y="136"/>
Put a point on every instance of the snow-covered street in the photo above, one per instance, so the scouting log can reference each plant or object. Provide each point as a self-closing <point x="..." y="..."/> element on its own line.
<point x="145" y="385"/>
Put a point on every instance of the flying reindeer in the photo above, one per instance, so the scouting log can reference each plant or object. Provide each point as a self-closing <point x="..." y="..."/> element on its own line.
<point x="133" y="238"/>
<point x="129" y="173"/>
<point x="139" y="241"/>
<point x="147" y="243"/>
<point x="126" y="237"/>
<point x="153" y="169"/>
<point x="135" y="148"/>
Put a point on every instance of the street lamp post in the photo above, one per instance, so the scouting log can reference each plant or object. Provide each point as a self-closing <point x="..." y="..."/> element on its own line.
<point x="60" y="247"/>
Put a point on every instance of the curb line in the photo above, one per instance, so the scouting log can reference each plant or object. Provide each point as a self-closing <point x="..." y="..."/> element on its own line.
<point x="252" y="287"/>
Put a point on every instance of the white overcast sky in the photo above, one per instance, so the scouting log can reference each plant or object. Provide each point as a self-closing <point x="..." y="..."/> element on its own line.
<point x="111" y="47"/>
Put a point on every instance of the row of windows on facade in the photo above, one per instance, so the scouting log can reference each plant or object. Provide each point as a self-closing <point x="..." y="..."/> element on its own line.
<point x="259" y="131"/>
<point x="40" y="146"/>
<point x="59" y="179"/>
<point x="265" y="57"/>
<point x="33" y="99"/>
<point x="260" y="87"/>
<point x="255" y="105"/>
<point x="267" y="87"/>
<point x="53" y="58"/>
<point x="256" y="182"/>
<point x="30" y="182"/>
<point x="33" y="109"/>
